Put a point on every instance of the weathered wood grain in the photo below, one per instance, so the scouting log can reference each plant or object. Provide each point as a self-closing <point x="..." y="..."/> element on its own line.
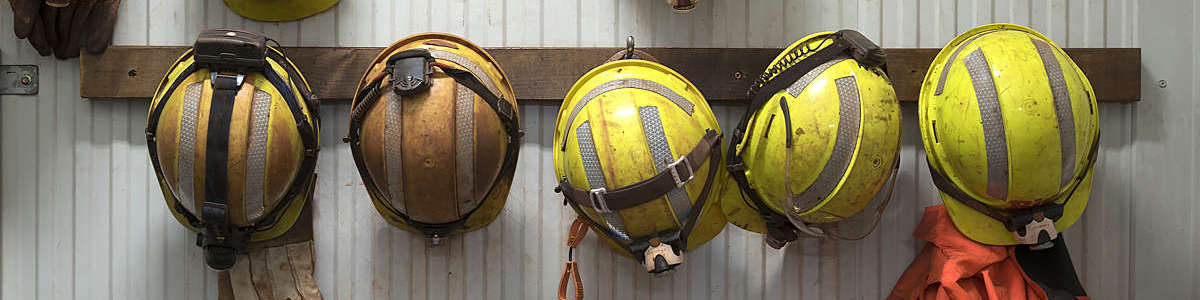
<point x="546" y="74"/>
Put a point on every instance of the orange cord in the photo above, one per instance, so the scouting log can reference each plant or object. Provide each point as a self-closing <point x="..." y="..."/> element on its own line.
<point x="578" y="230"/>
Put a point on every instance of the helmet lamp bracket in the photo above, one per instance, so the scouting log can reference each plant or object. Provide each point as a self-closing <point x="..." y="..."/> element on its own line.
<point x="410" y="71"/>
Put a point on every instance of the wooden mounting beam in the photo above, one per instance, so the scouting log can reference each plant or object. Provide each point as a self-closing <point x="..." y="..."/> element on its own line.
<point x="545" y="74"/>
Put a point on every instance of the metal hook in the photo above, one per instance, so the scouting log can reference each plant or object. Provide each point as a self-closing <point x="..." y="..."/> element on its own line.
<point x="628" y="48"/>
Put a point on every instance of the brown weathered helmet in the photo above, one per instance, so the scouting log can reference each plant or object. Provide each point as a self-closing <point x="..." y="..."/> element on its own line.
<point x="435" y="135"/>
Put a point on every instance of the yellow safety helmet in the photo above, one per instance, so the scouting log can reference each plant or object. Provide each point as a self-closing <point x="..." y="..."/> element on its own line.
<point x="819" y="142"/>
<point x="278" y="10"/>
<point x="1010" y="128"/>
<point x="435" y="135"/>
<point x="232" y="135"/>
<point x="637" y="151"/>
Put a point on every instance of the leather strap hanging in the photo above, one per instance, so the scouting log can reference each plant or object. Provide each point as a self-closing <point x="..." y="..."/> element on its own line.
<point x="578" y="230"/>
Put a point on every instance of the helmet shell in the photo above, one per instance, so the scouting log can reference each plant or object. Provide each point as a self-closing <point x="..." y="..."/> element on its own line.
<point x="1010" y="120"/>
<point x="259" y="173"/>
<point x="615" y="119"/>
<point x="436" y="185"/>
<point x="845" y="131"/>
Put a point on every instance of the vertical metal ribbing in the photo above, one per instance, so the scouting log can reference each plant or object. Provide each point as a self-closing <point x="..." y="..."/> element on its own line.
<point x="464" y="148"/>
<point x="992" y="118"/>
<point x="1062" y="109"/>
<point x="185" y="162"/>
<point x="256" y="155"/>
<point x="660" y="151"/>
<point x="595" y="175"/>
<point x="844" y="145"/>
<point x="394" y="152"/>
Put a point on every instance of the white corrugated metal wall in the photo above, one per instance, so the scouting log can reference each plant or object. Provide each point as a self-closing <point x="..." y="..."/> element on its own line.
<point x="81" y="217"/>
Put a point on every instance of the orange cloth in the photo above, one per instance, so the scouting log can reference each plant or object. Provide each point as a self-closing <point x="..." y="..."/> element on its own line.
<point x="952" y="266"/>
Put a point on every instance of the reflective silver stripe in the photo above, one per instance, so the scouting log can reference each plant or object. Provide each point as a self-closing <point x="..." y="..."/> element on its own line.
<point x="996" y="143"/>
<point x="660" y="151"/>
<point x="633" y="83"/>
<point x="470" y="66"/>
<point x="849" y="115"/>
<point x="185" y="162"/>
<point x="796" y="88"/>
<point x="1062" y="109"/>
<point x="595" y="175"/>
<point x="953" y="56"/>
<point x="256" y="155"/>
<point x="394" y="152"/>
<point x="464" y="148"/>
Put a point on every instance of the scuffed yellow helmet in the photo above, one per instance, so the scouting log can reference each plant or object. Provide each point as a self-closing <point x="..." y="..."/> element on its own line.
<point x="232" y="135"/>
<point x="1010" y="127"/>
<point x="637" y="151"/>
<point x="818" y="143"/>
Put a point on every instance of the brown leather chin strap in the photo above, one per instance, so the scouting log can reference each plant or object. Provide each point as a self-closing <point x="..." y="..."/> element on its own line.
<point x="650" y="189"/>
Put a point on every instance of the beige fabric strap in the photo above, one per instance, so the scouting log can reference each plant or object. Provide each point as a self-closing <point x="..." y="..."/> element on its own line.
<point x="284" y="272"/>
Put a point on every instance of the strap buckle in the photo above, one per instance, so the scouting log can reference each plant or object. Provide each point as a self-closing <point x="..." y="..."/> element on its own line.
<point x="410" y="71"/>
<point x="673" y="168"/>
<point x="599" y="203"/>
<point x="1038" y="230"/>
<point x="223" y="81"/>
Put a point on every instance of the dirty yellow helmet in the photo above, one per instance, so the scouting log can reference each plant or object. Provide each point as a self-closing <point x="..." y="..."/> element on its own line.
<point x="819" y="142"/>
<point x="232" y="134"/>
<point x="278" y="10"/>
<point x="1010" y="128"/>
<point x="435" y="135"/>
<point x="637" y="151"/>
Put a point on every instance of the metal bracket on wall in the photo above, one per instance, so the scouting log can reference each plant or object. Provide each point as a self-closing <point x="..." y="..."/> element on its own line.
<point x="18" y="80"/>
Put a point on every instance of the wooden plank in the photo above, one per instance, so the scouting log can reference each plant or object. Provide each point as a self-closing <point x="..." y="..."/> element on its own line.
<point x="546" y="74"/>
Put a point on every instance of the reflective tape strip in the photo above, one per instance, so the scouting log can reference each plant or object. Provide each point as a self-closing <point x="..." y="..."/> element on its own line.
<point x="849" y="110"/>
<point x="185" y="162"/>
<point x="595" y="175"/>
<point x="953" y="56"/>
<point x="256" y="155"/>
<point x="660" y="151"/>
<point x="394" y="152"/>
<point x="995" y="141"/>
<point x="470" y="66"/>
<point x="464" y="148"/>
<point x="1062" y="109"/>
<point x="796" y="88"/>
<point x="633" y="83"/>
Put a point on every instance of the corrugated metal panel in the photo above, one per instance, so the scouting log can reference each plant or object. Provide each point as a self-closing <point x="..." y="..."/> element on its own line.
<point x="83" y="218"/>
